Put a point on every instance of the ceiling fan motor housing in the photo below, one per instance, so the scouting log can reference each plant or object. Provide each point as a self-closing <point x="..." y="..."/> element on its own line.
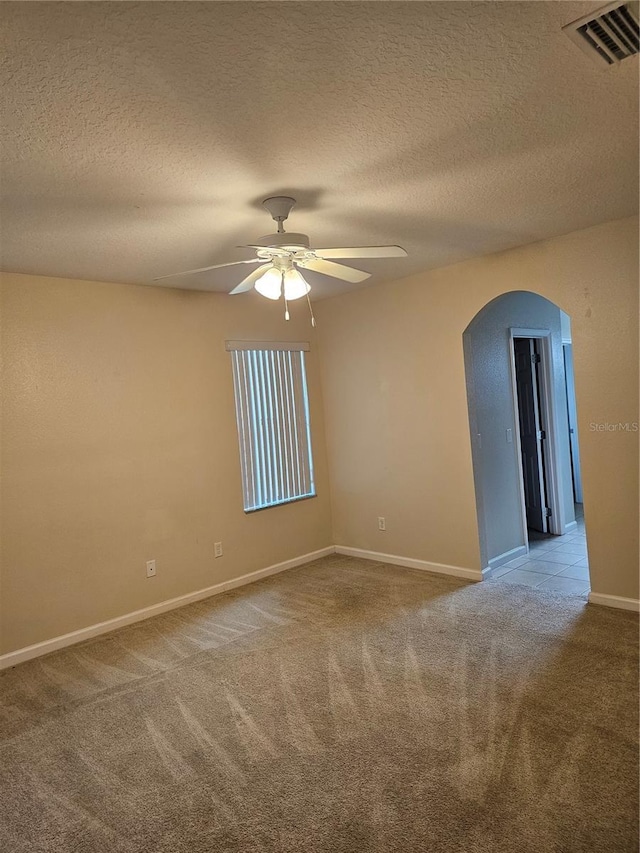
<point x="288" y="239"/>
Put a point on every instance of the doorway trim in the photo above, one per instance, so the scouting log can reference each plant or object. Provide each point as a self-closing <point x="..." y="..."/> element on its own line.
<point x="574" y="442"/>
<point x="552" y="472"/>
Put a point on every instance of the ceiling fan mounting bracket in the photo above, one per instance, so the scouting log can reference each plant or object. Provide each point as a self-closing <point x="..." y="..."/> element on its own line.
<point x="279" y="206"/>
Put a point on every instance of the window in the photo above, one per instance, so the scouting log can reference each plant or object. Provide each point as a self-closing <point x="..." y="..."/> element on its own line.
<point x="272" y="411"/>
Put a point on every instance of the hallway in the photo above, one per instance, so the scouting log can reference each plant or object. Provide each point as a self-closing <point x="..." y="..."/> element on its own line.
<point x="557" y="563"/>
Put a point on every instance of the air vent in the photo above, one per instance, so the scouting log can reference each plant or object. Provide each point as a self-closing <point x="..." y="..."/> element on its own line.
<point x="608" y="35"/>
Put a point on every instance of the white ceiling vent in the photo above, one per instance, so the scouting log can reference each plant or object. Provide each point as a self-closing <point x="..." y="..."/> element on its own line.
<point x="609" y="34"/>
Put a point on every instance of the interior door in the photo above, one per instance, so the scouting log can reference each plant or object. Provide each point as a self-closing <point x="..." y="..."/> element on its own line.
<point x="531" y="434"/>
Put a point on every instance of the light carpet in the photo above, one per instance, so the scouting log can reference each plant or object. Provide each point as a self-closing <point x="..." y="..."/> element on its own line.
<point x="342" y="706"/>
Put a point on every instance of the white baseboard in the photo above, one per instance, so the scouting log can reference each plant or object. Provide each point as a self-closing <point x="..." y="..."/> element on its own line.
<point x="411" y="563"/>
<point x="569" y="526"/>
<point x="614" y="601"/>
<point x="38" y="649"/>
<point x="501" y="559"/>
<point x="279" y="567"/>
<point x="43" y="648"/>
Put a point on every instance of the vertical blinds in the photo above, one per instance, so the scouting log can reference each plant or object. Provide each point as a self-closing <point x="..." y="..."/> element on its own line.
<point x="272" y="412"/>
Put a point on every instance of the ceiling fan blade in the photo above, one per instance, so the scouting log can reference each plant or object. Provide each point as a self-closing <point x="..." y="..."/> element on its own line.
<point x="335" y="270"/>
<point x="248" y="282"/>
<point x="206" y="269"/>
<point x="363" y="252"/>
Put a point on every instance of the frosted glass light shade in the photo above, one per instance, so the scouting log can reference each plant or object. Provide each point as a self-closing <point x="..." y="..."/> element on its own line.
<point x="295" y="287"/>
<point x="270" y="284"/>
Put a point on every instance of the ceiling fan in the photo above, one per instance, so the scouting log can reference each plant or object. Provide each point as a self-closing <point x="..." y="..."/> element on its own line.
<point x="282" y="255"/>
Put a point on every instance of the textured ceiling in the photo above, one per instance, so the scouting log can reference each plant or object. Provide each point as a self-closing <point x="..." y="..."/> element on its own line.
<point x="139" y="138"/>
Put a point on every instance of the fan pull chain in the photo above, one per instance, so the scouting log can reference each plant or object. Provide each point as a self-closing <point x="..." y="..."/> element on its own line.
<point x="286" y="309"/>
<point x="313" y="319"/>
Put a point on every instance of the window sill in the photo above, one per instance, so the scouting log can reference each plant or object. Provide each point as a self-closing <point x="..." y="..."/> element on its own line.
<point x="280" y="503"/>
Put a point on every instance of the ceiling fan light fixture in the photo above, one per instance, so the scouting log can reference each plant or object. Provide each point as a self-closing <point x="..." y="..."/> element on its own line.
<point x="270" y="284"/>
<point x="295" y="286"/>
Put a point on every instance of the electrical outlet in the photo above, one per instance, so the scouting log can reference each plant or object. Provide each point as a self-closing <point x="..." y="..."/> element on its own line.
<point x="382" y="524"/>
<point x="217" y="549"/>
<point x="151" y="568"/>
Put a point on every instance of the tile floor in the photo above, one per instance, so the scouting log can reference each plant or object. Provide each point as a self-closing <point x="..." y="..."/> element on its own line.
<point x="558" y="563"/>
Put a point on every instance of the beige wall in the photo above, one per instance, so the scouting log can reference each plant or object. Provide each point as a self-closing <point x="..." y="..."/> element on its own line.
<point x="119" y="440"/>
<point x="396" y="408"/>
<point x="119" y="445"/>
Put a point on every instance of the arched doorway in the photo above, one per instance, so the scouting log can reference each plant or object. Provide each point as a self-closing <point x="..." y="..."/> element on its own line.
<point x="524" y="453"/>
